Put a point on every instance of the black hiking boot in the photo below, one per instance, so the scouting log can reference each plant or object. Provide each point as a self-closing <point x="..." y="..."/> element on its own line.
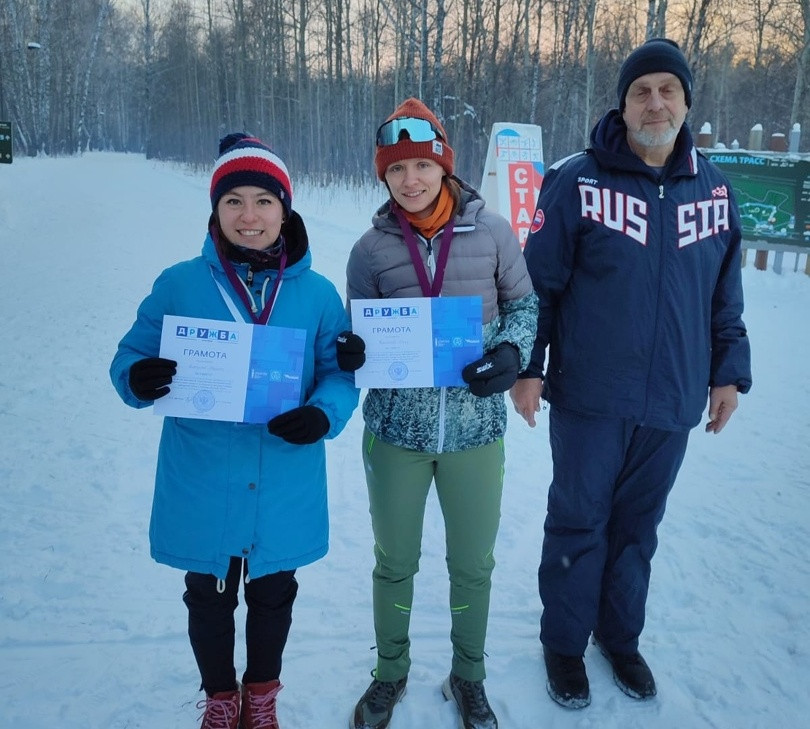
<point x="376" y="705"/>
<point x="471" y="700"/>
<point x="630" y="672"/>
<point x="567" y="681"/>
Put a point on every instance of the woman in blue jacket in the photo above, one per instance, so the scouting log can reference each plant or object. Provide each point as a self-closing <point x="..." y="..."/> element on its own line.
<point x="236" y="500"/>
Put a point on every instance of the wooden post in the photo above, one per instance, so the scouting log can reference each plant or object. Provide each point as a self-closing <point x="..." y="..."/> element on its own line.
<point x="778" y="144"/>
<point x="755" y="144"/>
<point x="795" y="137"/>
<point x="705" y="140"/>
<point x="755" y="138"/>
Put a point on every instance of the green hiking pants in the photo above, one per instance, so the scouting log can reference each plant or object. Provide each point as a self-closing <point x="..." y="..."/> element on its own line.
<point x="469" y="485"/>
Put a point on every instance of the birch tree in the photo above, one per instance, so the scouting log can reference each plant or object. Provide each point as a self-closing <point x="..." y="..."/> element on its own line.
<point x="801" y="91"/>
<point x="82" y="135"/>
<point x="29" y="64"/>
<point x="148" y="50"/>
<point x="656" y="19"/>
<point x="590" y="65"/>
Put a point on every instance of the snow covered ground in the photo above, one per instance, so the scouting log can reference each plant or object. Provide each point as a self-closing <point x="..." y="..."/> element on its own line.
<point x="92" y="631"/>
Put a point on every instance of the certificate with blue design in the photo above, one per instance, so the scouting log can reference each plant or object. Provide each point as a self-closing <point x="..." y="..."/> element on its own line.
<point x="417" y="342"/>
<point x="231" y="371"/>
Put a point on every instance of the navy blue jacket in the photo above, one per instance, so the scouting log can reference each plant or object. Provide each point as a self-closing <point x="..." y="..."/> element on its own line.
<point x="638" y="275"/>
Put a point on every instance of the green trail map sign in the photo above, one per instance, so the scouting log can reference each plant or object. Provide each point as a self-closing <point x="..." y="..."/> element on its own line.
<point x="5" y="142"/>
<point x="773" y="195"/>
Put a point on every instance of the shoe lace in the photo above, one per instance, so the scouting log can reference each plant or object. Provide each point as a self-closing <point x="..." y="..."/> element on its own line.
<point x="473" y="696"/>
<point x="382" y="693"/>
<point x="219" y="713"/>
<point x="263" y="708"/>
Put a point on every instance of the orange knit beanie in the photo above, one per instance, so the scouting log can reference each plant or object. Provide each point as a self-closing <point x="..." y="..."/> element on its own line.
<point x="436" y="149"/>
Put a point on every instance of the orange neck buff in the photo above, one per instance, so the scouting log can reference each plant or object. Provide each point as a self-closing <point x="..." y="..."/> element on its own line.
<point x="430" y="225"/>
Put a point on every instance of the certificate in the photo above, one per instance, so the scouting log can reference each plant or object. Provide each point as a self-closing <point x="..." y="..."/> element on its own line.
<point x="233" y="371"/>
<point x="417" y="342"/>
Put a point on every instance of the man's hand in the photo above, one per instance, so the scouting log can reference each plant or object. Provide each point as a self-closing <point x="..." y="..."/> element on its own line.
<point x="525" y="395"/>
<point x="722" y="403"/>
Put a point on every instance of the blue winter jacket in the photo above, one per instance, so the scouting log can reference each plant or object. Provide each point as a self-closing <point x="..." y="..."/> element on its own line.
<point x="228" y="489"/>
<point x="638" y="275"/>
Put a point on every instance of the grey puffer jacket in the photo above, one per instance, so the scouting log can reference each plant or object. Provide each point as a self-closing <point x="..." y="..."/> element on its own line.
<point x="485" y="260"/>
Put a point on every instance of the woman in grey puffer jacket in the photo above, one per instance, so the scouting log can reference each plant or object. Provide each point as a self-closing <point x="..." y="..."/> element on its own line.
<point x="450" y="435"/>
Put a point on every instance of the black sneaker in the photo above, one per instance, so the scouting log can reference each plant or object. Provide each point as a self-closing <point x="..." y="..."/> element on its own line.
<point x="630" y="672"/>
<point x="375" y="707"/>
<point x="567" y="681"/>
<point x="471" y="700"/>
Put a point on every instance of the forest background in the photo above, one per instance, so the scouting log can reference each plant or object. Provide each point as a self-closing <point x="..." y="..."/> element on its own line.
<point x="315" y="78"/>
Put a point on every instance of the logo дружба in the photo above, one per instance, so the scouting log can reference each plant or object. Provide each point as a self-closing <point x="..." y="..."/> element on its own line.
<point x="392" y="312"/>
<point x="219" y="335"/>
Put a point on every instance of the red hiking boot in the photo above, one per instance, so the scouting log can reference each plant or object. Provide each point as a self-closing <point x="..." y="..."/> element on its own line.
<point x="259" y="705"/>
<point x="221" y="711"/>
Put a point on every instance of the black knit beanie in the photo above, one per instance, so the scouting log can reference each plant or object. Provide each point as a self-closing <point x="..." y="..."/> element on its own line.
<point x="657" y="55"/>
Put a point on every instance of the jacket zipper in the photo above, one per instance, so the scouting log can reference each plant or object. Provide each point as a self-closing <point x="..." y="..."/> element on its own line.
<point x="442" y="412"/>
<point x="248" y="283"/>
<point x="431" y="267"/>
<point x="431" y="263"/>
<point x="661" y="265"/>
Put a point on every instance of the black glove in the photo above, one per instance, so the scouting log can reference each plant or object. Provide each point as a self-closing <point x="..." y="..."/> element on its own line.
<point x="495" y="372"/>
<point x="149" y="378"/>
<point x="351" y="351"/>
<point x="300" y="426"/>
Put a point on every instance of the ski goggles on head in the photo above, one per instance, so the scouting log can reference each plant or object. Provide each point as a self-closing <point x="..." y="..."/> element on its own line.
<point x="406" y="127"/>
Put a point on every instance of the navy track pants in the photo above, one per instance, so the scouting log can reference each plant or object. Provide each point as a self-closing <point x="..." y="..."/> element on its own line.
<point x="611" y="479"/>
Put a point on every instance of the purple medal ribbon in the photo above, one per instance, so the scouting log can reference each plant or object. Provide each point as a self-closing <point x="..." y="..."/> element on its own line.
<point x="413" y="248"/>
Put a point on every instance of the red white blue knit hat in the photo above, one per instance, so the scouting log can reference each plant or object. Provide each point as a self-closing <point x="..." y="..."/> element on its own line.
<point x="245" y="160"/>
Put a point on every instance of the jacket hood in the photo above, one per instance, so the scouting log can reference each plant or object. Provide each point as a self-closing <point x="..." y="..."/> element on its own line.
<point x="209" y="253"/>
<point x="609" y="146"/>
<point x="294" y="232"/>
